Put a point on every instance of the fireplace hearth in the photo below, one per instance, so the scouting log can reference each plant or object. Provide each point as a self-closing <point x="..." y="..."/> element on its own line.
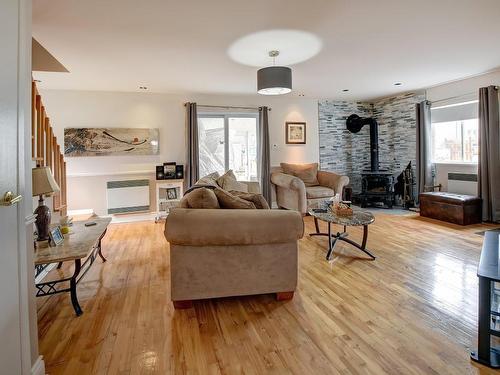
<point x="377" y="185"/>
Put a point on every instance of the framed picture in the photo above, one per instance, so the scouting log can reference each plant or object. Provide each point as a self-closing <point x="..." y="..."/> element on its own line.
<point x="171" y="193"/>
<point x="56" y="237"/>
<point x="111" y="141"/>
<point x="295" y="133"/>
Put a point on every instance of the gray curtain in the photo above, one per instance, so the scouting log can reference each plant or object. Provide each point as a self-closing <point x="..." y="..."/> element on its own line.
<point x="424" y="165"/>
<point x="264" y="155"/>
<point x="192" y="161"/>
<point x="489" y="153"/>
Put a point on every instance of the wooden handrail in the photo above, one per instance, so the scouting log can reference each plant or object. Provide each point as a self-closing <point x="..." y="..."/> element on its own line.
<point x="45" y="149"/>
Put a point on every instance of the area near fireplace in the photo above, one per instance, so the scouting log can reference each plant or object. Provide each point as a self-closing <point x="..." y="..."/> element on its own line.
<point x="348" y="153"/>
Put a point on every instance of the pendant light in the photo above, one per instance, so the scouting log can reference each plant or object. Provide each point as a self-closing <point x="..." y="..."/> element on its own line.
<point x="274" y="80"/>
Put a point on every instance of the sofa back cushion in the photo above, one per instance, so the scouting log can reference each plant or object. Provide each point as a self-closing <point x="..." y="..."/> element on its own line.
<point x="228" y="182"/>
<point x="210" y="179"/>
<point x="306" y="172"/>
<point x="228" y="200"/>
<point x="200" y="198"/>
<point x="257" y="199"/>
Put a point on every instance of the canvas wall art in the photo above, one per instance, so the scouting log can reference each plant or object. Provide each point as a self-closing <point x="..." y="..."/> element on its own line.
<point x="110" y="141"/>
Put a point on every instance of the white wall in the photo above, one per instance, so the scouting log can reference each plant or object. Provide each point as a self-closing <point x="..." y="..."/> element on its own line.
<point x="459" y="91"/>
<point x="87" y="176"/>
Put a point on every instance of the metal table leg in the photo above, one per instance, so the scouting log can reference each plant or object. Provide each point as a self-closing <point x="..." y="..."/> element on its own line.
<point x="72" y="287"/>
<point x="333" y="238"/>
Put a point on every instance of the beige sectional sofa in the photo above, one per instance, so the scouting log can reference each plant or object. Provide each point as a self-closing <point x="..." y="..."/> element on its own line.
<point x="232" y="252"/>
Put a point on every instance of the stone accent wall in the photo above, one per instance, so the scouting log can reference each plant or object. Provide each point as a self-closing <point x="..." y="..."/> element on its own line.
<point x="347" y="153"/>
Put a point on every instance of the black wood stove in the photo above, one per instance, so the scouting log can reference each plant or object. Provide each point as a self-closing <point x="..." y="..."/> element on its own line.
<point x="377" y="185"/>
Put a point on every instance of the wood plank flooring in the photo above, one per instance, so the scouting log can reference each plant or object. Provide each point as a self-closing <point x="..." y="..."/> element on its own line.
<point x="411" y="311"/>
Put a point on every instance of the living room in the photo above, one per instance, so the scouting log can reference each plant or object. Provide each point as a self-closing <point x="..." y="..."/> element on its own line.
<point x="265" y="187"/>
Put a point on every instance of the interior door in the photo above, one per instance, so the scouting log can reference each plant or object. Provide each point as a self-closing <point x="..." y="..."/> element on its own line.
<point x="14" y="76"/>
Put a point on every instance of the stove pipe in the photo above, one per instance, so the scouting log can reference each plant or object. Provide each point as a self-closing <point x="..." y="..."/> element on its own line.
<point x="354" y="124"/>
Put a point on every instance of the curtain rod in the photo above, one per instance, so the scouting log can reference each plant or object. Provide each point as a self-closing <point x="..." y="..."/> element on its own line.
<point x="457" y="96"/>
<point x="227" y="106"/>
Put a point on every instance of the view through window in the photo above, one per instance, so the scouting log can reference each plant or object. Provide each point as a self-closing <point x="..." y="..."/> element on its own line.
<point x="228" y="141"/>
<point x="455" y="141"/>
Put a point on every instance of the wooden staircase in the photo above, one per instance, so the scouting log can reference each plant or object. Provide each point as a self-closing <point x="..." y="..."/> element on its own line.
<point x="45" y="150"/>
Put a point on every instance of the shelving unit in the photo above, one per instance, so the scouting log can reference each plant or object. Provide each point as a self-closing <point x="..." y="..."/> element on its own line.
<point x="168" y="196"/>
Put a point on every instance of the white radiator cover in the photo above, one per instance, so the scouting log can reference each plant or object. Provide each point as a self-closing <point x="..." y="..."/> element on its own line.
<point x="462" y="183"/>
<point x="128" y="196"/>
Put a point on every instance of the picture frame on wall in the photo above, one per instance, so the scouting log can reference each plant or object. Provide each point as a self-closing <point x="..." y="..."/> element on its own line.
<point x="295" y="133"/>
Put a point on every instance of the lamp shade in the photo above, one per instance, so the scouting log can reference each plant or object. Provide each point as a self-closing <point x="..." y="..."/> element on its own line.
<point x="274" y="80"/>
<point x="43" y="182"/>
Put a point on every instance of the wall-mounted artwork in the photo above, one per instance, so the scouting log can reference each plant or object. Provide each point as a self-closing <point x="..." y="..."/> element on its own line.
<point x="110" y="141"/>
<point x="295" y="133"/>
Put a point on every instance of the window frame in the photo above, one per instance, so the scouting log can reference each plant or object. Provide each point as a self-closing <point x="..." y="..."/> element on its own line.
<point x="226" y="116"/>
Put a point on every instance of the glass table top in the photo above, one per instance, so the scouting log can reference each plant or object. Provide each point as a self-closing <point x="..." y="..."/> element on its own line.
<point x="358" y="217"/>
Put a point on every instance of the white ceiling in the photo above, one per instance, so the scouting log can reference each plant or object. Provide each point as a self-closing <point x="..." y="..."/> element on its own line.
<point x="182" y="46"/>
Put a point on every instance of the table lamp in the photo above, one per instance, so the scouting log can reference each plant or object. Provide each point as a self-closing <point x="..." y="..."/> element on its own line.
<point x="43" y="184"/>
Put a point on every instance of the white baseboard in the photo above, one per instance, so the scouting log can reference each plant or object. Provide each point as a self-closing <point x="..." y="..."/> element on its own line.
<point x="85" y="211"/>
<point x="39" y="367"/>
<point x="130" y="218"/>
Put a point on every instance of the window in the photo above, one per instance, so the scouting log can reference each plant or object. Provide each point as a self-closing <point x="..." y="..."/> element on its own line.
<point x="455" y="133"/>
<point x="228" y="141"/>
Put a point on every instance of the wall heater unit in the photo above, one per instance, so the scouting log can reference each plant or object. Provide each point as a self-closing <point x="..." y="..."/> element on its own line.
<point x="128" y="196"/>
<point x="462" y="183"/>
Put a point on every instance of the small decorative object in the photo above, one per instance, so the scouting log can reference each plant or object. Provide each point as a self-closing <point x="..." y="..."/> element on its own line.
<point x="111" y="141"/>
<point x="56" y="236"/>
<point x="171" y="193"/>
<point x="43" y="184"/>
<point x="169" y="170"/>
<point x="295" y="133"/>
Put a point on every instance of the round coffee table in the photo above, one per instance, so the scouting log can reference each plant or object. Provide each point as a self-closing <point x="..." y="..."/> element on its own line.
<point x="358" y="218"/>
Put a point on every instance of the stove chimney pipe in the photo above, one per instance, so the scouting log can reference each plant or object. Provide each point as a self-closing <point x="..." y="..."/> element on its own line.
<point x="355" y="124"/>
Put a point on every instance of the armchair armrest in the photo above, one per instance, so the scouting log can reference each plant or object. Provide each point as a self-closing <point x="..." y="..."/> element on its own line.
<point x="287" y="181"/>
<point x="332" y="180"/>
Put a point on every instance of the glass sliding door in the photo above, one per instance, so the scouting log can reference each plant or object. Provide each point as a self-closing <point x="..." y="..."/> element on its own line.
<point x="211" y="137"/>
<point x="229" y="142"/>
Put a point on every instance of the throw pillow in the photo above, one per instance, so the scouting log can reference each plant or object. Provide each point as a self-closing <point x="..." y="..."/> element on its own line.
<point x="228" y="200"/>
<point x="257" y="199"/>
<point x="306" y="172"/>
<point x="210" y="179"/>
<point x="228" y="182"/>
<point x="200" y="198"/>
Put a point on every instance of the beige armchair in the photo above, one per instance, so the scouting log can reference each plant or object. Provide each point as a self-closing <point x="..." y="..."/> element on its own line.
<point x="301" y="186"/>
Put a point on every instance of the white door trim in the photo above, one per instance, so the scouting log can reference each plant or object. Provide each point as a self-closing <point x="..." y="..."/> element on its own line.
<point x="39" y="367"/>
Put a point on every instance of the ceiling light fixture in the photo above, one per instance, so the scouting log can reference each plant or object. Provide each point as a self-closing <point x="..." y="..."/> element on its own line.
<point x="274" y="80"/>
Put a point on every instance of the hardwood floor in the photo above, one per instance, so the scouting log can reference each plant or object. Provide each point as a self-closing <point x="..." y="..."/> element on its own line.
<point x="411" y="311"/>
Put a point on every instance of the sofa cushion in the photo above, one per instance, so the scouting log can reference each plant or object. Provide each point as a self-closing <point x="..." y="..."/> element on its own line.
<point x="306" y="172"/>
<point x="228" y="200"/>
<point x="210" y="179"/>
<point x="257" y="199"/>
<point x="200" y="198"/>
<point x="319" y="192"/>
<point x="228" y="182"/>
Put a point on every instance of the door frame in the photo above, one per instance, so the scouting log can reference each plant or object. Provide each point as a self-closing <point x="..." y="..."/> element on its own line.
<point x="31" y="361"/>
